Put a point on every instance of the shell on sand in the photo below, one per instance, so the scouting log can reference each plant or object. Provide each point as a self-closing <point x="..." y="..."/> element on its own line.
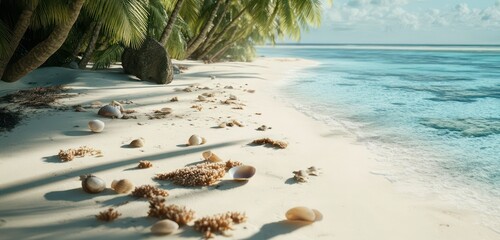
<point x="110" y="111"/>
<point x="241" y="173"/>
<point x="202" y="98"/>
<point x="222" y="125"/>
<point x="233" y="97"/>
<point x="96" y="125"/>
<point x="196" y="140"/>
<point x="137" y="143"/>
<point x="210" y="156"/>
<point x="164" y="227"/>
<point x="318" y="215"/>
<point x="303" y="214"/>
<point x="92" y="184"/>
<point x="122" y="186"/>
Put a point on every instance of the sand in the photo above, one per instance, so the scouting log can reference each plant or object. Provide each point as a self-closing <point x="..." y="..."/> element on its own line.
<point x="41" y="197"/>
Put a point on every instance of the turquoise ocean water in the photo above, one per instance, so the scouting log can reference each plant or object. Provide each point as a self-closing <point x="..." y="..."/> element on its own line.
<point x="430" y="113"/>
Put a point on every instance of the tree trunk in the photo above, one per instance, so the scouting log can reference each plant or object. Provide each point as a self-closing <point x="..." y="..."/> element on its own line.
<point x="87" y="33"/>
<point x="42" y="51"/>
<point x="170" y="24"/>
<point x="215" y="27"/>
<point x="218" y="39"/>
<point x="91" y="47"/>
<point x="20" y="28"/>
<point x="203" y="33"/>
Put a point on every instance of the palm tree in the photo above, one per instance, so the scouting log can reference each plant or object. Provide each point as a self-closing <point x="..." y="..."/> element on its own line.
<point x="196" y="41"/>
<point x="171" y="21"/>
<point x="122" y="21"/>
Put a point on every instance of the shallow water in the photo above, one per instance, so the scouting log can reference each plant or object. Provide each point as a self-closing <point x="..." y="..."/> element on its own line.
<point x="430" y="113"/>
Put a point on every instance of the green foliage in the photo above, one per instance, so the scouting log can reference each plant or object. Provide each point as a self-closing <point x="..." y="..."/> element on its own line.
<point x="123" y="20"/>
<point x="110" y="55"/>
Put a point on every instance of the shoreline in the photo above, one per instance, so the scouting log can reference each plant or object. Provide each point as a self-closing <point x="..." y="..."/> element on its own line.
<point x="355" y="203"/>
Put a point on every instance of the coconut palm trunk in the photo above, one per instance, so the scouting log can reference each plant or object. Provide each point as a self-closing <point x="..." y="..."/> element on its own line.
<point x="224" y="31"/>
<point x="171" y="21"/>
<point x="42" y="51"/>
<point x="90" y="47"/>
<point x="20" y="28"/>
<point x="204" y="30"/>
<point x="216" y="26"/>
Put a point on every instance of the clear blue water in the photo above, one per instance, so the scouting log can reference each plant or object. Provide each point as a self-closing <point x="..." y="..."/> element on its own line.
<point x="431" y="113"/>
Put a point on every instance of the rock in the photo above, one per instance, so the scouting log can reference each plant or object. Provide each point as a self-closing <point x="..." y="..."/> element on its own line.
<point x="150" y="62"/>
<point x="176" y="70"/>
<point x="72" y="65"/>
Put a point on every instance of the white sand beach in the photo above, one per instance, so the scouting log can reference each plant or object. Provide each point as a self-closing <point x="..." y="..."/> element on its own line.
<point x="41" y="197"/>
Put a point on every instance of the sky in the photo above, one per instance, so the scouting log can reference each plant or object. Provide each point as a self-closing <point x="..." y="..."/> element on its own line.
<point x="408" y="22"/>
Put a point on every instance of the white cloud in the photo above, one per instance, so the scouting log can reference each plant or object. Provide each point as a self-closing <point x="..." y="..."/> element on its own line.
<point x="391" y="14"/>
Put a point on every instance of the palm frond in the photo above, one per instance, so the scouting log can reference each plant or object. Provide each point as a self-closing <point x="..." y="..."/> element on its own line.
<point x="111" y="55"/>
<point x="125" y="20"/>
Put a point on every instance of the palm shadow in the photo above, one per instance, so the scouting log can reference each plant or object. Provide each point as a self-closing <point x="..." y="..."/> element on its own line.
<point x="74" y="133"/>
<point x="75" y="195"/>
<point x="273" y="229"/>
<point x="52" y="159"/>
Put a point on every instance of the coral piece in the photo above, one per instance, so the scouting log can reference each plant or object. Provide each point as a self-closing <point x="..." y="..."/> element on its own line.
<point x="145" y="164"/>
<point x="108" y="215"/>
<point x="218" y="223"/>
<point x="300" y="176"/>
<point x="197" y="107"/>
<point x="148" y="191"/>
<point x="178" y="214"/>
<point x="203" y="174"/>
<point x="273" y="143"/>
<point x="159" y="114"/>
<point x="70" y="154"/>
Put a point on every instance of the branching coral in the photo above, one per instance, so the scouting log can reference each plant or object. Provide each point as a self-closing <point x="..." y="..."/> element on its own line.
<point x="203" y="174"/>
<point x="148" y="191"/>
<point x="145" y="164"/>
<point x="218" y="223"/>
<point x="70" y="154"/>
<point x="178" y="214"/>
<point x="273" y="143"/>
<point x="108" y="215"/>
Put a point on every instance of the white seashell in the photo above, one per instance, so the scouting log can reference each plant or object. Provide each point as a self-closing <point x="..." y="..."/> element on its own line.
<point x="137" y="143"/>
<point x="222" y="125"/>
<point x="318" y="215"/>
<point x="96" y="125"/>
<point x="110" y="111"/>
<point x="92" y="184"/>
<point x="301" y="214"/>
<point x="122" y="186"/>
<point x="164" y="227"/>
<point x="196" y="140"/>
<point x="233" y="97"/>
<point x="210" y="156"/>
<point x="202" y="98"/>
<point x="241" y="173"/>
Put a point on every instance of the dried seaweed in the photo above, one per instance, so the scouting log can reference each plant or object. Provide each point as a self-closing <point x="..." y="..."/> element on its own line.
<point x="218" y="223"/>
<point x="39" y="97"/>
<point x="148" y="191"/>
<point x="178" y="214"/>
<point x="70" y="154"/>
<point x="203" y="174"/>
<point x="108" y="215"/>
<point x="271" y="142"/>
<point x="8" y="119"/>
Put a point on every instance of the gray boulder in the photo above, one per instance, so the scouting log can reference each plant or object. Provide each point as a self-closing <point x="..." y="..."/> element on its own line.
<point x="150" y="62"/>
